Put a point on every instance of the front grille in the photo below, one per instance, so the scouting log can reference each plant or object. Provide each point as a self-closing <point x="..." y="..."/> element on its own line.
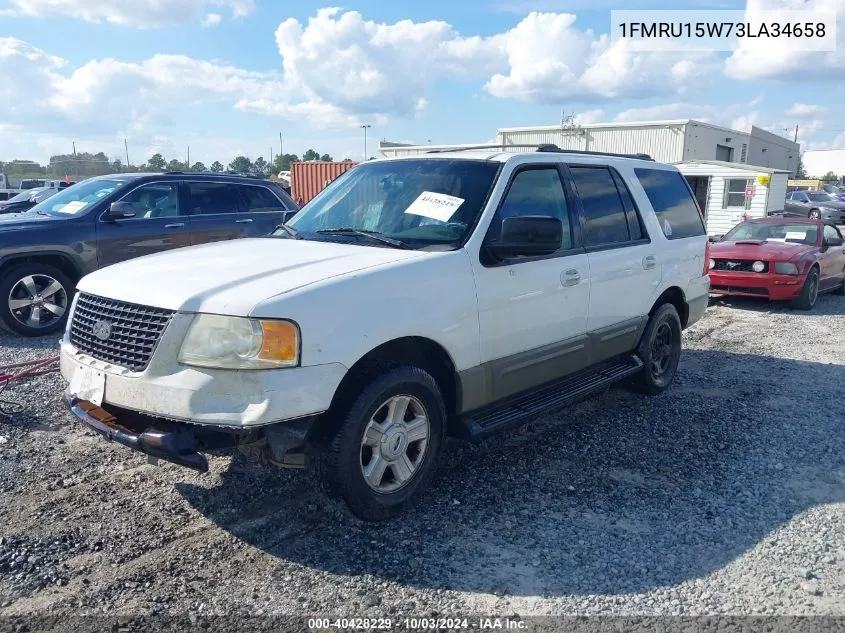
<point x="135" y="330"/>
<point x="749" y="291"/>
<point x="742" y="265"/>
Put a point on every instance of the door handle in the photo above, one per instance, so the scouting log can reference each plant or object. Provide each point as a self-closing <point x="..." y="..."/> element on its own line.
<point x="570" y="277"/>
<point x="246" y="221"/>
<point x="649" y="262"/>
<point x="174" y="226"/>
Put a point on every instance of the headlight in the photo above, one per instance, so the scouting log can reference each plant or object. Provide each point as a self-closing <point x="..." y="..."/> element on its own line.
<point x="758" y="267"/>
<point x="786" y="268"/>
<point x="226" y="342"/>
<point x="712" y="264"/>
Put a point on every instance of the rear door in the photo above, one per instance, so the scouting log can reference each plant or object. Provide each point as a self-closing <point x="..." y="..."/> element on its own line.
<point x="264" y="209"/>
<point x="160" y="224"/>
<point x="624" y="265"/>
<point x="218" y="211"/>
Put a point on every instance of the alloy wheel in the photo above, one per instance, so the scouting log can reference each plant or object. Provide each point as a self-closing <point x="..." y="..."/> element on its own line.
<point x="37" y="301"/>
<point x="661" y="350"/>
<point x="394" y="444"/>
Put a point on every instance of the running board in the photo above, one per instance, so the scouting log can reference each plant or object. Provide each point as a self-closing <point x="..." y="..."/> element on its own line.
<point x="549" y="397"/>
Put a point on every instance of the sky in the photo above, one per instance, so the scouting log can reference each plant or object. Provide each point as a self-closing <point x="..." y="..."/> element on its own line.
<point x="227" y="77"/>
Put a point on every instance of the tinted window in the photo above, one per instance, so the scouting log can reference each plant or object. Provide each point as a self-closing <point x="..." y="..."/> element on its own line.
<point x="635" y="227"/>
<point x="214" y="197"/>
<point x="260" y="199"/>
<point x="538" y="192"/>
<point x="831" y="233"/>
<point x="672" y="202"/>
<point x="605" y="214"/>
<point x="155" y="200"/>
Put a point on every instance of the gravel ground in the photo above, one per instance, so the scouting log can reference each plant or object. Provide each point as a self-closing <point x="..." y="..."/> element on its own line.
<point x="725" y="495"/>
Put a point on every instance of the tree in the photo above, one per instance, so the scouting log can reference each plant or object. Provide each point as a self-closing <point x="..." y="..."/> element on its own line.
<point x="217" y="167"/>
<point x="830" y="176"/>
<point x="198" y="166"/>
<point x="261" y="167"/>
<point x="241" y="165"/>
<point x="310" y="155"/>
<point x="347" y="160"/>
<point x="175" y="165"/>
<point x="800" y="172"/>
<point x="156" y="162"/>
<point x="282" y="162"/>
<point x="117" y="165"/>
<point x="326" y="158"/>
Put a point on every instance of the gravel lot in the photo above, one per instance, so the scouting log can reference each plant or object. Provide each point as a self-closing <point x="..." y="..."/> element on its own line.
<point x="724" y="495"/>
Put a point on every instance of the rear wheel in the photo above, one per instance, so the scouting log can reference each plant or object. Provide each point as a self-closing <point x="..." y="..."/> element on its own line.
<point x="815" y="214"/>
<point x="384" y="454"/>
<point x="34" y="299"/>
<point x="809" y="292"/>
<point x="660" y="351"/>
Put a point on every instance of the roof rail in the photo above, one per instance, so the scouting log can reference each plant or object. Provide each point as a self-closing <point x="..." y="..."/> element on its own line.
<point x="542" y="147"/>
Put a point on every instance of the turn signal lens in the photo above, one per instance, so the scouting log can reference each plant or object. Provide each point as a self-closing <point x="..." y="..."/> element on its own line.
<point x="281" y="342"/>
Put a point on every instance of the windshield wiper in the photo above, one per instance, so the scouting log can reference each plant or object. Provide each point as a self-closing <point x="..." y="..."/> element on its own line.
<point x="375" y="235"/>
<point x="290" y="231"/>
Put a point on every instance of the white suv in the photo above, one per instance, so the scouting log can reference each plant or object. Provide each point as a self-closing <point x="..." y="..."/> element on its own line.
<point x="451" y="293"/>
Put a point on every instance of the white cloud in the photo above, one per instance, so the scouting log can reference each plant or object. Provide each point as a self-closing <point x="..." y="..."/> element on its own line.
<point x="805" y="110"/>
<point x="775" y="58"/>
<point x="589" y="116"/>
<point x="550" y="60"/>
<point x="141" y="13"/>
<point x="679" y="110"/>
<point x="212" y="19"/>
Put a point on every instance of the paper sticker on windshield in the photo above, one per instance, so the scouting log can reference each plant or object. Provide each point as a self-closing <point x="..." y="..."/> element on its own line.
<point x="72" y="207"/>
<point x="795" y="235"/>
<point x="437" y="206"/>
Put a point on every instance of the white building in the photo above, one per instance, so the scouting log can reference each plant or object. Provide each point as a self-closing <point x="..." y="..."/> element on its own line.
<point x="818" y="162"/>
<point x="726" y="191"/>
<point x="671" y="141"/>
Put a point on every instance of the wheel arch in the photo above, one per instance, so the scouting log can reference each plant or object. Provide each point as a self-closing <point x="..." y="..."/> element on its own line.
<point x="57" y="259"/>
<point x="677" y="298"/>
<point x="416" y="351"/>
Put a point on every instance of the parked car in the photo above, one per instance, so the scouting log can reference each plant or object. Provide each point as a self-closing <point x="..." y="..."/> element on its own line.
<point x="815" y="204"/>
<point x="412" y="298"/>
<point x="834" y="192"/>
<point x="108" y="219"/>
<point x="780" y="259"/>
<point x="25" y="200"/>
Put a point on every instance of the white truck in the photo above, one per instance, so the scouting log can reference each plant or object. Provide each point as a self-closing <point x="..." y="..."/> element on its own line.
<point x="444" y="294"/>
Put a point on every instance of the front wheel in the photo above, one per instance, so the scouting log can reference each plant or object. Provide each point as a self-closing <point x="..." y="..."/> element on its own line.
<point x="34" y="299"/>
<point x="815" y="214"/>
<point x="809" y="292"/>
<point x="383" y="455"/>
<point x="660" y="351"/>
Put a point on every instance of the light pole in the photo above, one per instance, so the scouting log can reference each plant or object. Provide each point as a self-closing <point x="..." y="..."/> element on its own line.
<point x="365" y="126"/>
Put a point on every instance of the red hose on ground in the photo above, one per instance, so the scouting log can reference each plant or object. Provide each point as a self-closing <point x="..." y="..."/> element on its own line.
<point x="16" y="371"/>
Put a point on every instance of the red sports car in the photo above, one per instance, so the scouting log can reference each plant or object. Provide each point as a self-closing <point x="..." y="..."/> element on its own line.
<point x="779" y="258"/>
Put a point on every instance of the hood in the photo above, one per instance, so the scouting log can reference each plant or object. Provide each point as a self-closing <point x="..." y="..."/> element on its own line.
<point x="12" y="221"/>
<point x="758" y="249"/>
<point x="832" y="204"/>
<point x="232" y="277"/>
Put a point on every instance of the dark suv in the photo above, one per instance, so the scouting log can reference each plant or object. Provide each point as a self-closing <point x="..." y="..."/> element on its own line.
<point x="108" y="219"/>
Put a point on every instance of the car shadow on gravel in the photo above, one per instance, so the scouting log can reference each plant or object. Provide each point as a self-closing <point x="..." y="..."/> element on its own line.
<point x="619" y="494"/>
<point x="827" y="304"/>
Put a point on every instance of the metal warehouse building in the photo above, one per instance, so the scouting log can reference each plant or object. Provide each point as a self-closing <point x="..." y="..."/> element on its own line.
<point x="671" y="141"/>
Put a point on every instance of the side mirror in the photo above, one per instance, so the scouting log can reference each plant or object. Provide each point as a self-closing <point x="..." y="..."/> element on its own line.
<point x="832" y="241"/>
<point x="120" y="210"/>
<point x="717" y="238"/>
<point x="527" y="236"/>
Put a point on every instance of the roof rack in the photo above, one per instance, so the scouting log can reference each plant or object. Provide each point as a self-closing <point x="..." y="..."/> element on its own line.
<point x="542" y="147"/>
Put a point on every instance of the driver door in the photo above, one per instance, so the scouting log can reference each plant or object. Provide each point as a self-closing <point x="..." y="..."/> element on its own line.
<point x="832" y="259"/>
<point x="160" y="224"/>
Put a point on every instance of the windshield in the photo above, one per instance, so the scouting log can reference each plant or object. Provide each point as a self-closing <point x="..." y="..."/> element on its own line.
<point x="77" y="198"/>
<point x="790" y="233"/>
<point x="819" y="197"/>
<point x="26" y="195"/>
<point x="420" y="202"/>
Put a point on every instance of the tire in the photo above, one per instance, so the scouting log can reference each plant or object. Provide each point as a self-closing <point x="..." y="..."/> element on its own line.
<point x="809" y="292"/>
<point x="18" y="284"/>
<point x="815" y="214"/>
<point x="840" y="289"/>
<point x="660" y="351"/>
<point x="367" y="437"/>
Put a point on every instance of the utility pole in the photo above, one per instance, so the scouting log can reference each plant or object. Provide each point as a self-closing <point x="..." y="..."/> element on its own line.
<point x="281" y="147"/>
<point x="188" y="165"/>
<point x="74" y="148"/>
<point x="796" y="133"/>
<point x="365" y="127"/>
<point x="126" y="147"/>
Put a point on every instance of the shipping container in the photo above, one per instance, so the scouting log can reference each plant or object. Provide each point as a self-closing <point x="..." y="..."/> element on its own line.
<point x="307" y="179"/>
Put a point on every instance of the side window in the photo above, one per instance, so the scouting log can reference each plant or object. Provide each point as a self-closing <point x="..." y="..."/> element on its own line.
<point x="635" y="227"/>
<point x="672" y="202"/>
<point x="734" y="197"/>
<point x="260" y="199"/>
<point x="538" y="192"/>
<point x="831" y="233"/>
<point x="803" y="197"/>
<point x="605" y="215"/>
<point x="155" y="200"/>
<point x="209" y="198"/>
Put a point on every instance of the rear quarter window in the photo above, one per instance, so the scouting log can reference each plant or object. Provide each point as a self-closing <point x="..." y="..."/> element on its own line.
<point x="673" y="203"/>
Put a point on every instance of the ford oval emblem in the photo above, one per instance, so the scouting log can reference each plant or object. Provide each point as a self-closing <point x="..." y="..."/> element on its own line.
<point x="102" y="330"/>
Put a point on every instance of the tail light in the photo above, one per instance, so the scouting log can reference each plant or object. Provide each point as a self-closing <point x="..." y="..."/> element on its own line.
<point x="706" y="258"/>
